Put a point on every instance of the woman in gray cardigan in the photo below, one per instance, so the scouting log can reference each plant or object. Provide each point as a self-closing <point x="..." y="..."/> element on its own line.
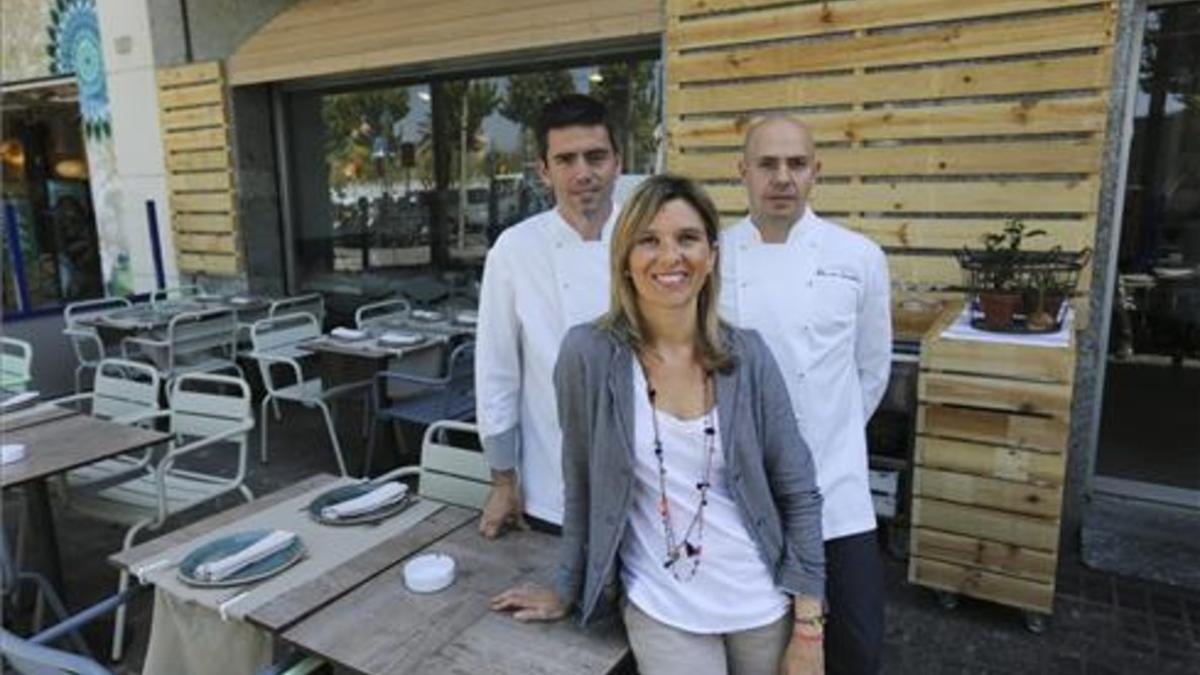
<point x="685" y="475"/>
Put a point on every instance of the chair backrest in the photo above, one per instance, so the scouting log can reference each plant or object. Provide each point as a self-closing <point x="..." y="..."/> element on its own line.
<point x="453" y="473"/>
<point x="211" y="332"/>
<point x="28" y="658"/>
<point x="124" y="388"/>
<point x="75" y="310"/>
<point x="461" y="363"/>
<point x="310" y="303"/>
<point x="270" y="334"/>
<point x="378" y="311"/>
<point x="176" y="293"/>
<point x="206" y="405"/>
<point x="16" y="364"/>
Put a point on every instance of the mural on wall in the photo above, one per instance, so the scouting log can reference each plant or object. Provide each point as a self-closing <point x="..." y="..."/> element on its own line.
<point x="75" y="47"/>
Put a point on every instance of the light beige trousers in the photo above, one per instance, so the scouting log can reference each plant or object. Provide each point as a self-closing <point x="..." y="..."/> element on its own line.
<point x="664" y="650"/>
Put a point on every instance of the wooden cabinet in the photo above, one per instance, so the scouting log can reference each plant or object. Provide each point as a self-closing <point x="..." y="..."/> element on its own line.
<point x="989" y="466"/>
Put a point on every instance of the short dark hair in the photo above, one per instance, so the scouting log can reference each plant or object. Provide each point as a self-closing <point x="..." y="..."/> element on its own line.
<point x="572" y="110"/>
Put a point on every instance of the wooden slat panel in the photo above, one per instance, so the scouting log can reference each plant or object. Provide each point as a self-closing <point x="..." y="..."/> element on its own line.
<point x="1037" y="468"/>
<point x="928" y="83"/>
<point x="1039" y="398"/>
<point x="192" y="73"/>
<point x="204" y="202"/>
<point x="201" y="160"/>
<point x="825" y="17"/>
<point x="991" y="493"/>
<point x="943" y="43"/>
<point x="206" y="243"/>
<point x="1003" y="359"/>
<point x="201" y="182"/>
<point x="1045" y="116"/>
<point x="955" y="233"/>
<point x="196" y="95"/>
<point x="205" y="222"/>
<point x="1069" y="156"/>
<point x="1048" y="196"/>
<point x="195" y="263"/>
<point x="191" y="118"/>
<point x="197" y="139"/>
<point x="977" y="583"/>
<point x="1009" y="528"/>
<point x="1048" y="434"/>
<point x="990" y="555"/>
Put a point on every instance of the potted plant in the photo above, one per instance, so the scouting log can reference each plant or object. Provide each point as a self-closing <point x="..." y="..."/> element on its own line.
<point x="997" y="273"/>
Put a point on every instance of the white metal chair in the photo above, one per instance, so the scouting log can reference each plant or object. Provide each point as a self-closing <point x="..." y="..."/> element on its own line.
<point x="126" y="392"/>
<point x="449" y="473"/>
<point x="194" y="342"/>
<point x="181" y="292"/>
<point x="85" y="342"/>
<point x="309" y="303"/>
<point x="207" y="411"/>
<point x="16" y="364"/>
<point x="275" y="344"/>
<point x="376" y="312"/>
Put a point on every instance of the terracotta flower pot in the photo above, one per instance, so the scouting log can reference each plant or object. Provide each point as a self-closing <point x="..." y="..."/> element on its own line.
<point x="998" y="309"/>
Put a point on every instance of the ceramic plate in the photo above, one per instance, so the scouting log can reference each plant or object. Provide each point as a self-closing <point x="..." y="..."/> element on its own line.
<point x="348" y="492"/>
<point x="228" y="545"/>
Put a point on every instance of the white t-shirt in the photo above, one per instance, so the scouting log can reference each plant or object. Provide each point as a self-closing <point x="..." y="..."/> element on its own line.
<point x="732" y="589"/>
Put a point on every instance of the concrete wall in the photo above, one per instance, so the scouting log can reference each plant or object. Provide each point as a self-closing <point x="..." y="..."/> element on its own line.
<point x="53" y="361"/>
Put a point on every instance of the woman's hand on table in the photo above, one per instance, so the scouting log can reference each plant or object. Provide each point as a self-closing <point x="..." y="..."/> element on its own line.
<point x="531" y="603"/>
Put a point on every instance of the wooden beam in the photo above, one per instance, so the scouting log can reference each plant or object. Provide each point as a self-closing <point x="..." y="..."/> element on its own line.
<point x="991" y="555"/>
<point x="977" y="583"/>
<point x="973" y="521"/>
<point x="1047" y="434"/>
<point x="987" y="492"/>
<point x="980" y="459"/>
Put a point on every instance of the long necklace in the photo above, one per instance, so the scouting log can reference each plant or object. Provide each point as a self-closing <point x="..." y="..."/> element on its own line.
<point x="683" y="554"/>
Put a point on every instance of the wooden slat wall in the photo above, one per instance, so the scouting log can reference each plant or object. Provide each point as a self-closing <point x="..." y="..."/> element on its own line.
<point x="936" y="120"/>
<point x="193" y="106"/>
<point x="316" y="37"/>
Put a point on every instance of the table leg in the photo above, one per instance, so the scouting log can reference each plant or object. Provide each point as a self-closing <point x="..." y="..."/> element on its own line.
<point x="41" y="525"/>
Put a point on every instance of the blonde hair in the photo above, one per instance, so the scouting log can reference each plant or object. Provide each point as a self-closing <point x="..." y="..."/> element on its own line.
<point x="624" y="317"/>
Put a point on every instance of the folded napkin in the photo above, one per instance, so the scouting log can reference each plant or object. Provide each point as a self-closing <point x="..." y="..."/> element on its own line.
<point x="399" y="339"/>
<point x="12" y="452"/>
<point x="385" y="495"/>
<point x="343" y="333"/>
<point x="426" y="315"/>
<point x="223" y="568"/>
<point x="468" y="318"/>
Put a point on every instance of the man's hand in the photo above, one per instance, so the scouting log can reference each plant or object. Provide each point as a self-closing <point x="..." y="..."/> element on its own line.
<point x="531" y="603"/>
<point x="503" y="509"/>
<point x="803" y="656"/>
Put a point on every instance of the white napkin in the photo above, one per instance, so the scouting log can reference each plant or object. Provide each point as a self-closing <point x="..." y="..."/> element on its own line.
<point x="343" y="333"/>
<point x="12" y="452"/>
<point x="222" y="568"/>
<point x="467" y="318"/>
<point x="426" y="315"/>
<point x="399" y="339"/>
<point x="384" y="495"/>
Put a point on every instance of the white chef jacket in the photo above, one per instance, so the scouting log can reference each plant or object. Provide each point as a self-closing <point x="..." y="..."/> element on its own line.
<point x="540" y="278"/>
<point x="821" y="302"/>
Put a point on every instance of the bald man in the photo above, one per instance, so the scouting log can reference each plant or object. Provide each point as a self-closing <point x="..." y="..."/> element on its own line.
<point x="818" y="294"/>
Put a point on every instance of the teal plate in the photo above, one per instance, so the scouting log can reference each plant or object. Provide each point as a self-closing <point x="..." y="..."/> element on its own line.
<point x="348" y="492"/>
<point x="228" y="545"/>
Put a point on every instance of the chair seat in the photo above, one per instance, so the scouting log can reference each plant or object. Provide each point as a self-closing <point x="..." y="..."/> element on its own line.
<point x="308" y="390"/>
<point x="452" y="404"/>
<point x="136" y="500"/>
<point x="104" y="471"/>
<point x="207" y="365"/>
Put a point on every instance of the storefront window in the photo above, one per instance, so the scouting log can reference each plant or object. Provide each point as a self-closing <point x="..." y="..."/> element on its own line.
<point x="423" y="177"/>
<point x="51" y="252"/>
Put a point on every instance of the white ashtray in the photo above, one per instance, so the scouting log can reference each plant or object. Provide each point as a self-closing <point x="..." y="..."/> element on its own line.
<point x="12" y="452"/>
<point x="342" y="333"/>
<point x="396" y="339"/>
<point x="429" y="573"/>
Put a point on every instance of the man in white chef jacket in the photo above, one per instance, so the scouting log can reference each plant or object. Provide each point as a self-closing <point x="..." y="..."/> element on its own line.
<point x="542" y="276"/>
<point x="819" y="295"/>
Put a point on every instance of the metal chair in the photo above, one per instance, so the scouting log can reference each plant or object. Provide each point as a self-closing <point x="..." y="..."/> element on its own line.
<point x="194" y="342"/>
<point x="310" y="303"/>
<point x="85" y="341"/>
<point x="16" y="364"/>
<point x="206" y="411"/>
<point x="126" y="392"/>
<point x="449" y="473"/>
<point x="275" y="344"/>
<point x="425" y="400"/>
<point x="377" y="312"/>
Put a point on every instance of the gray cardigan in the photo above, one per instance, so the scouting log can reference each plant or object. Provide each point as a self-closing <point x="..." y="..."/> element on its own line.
<point x="770" y="469"/>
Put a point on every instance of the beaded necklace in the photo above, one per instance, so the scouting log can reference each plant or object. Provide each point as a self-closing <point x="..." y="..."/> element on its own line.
<point x="683" y="556"/>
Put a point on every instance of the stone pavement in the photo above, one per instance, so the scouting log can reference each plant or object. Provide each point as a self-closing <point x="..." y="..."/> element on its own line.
<point x="1103" y="623"/>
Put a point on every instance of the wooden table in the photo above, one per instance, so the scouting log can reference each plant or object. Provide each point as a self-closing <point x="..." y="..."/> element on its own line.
<point x="57" y="440"/>
<point x="118" y="324"/>
<point x="383" y="628"/>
